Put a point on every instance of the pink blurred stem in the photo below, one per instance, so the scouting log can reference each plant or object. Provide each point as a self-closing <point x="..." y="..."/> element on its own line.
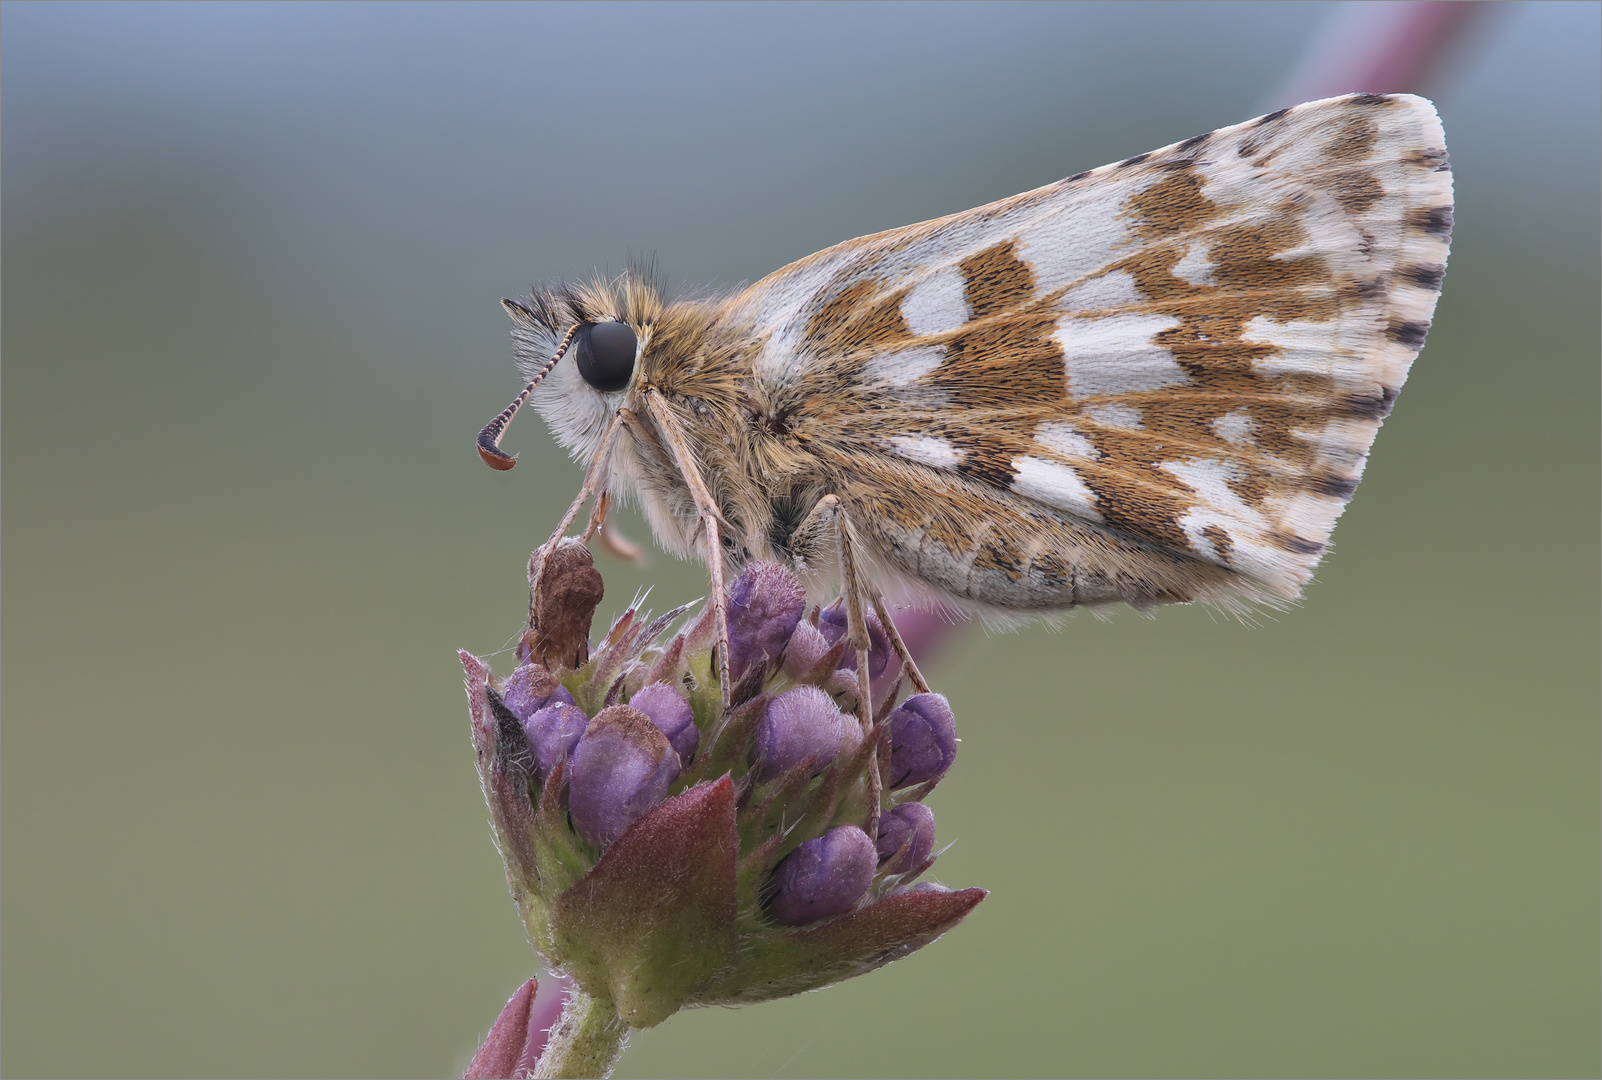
<point x="923" y="631"/>
<point x="519" y="1034"/>
<point x="1371" y="47"/>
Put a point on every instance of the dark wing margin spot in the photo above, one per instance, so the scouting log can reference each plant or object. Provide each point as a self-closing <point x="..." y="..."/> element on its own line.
<point x="1337" y="487"/>
<point x="1433" y="158"/>
<point x="1436" y="220"/>
<point x="1375" y="407"/>
<point x="1411" y="334"/>
<point x="1076" y="176"/>
<point x="1136" y="160"/>
<point x="1297" y="544"/>
<point x="1371" y="99"/>
<point x="1270" y="118"/>
<point x="1425" y="276"/>
<point x="1194" y="141"/>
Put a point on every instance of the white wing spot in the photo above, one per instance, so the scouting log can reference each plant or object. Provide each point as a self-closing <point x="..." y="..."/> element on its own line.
<point x="1126" y="417"/>
<point x="1078" y="237"/>
<point x="1061" y="438"/>
<point x="938" y="304"/>
<point x="1055" y="485"/>
<point x="1195" y="268"/>
<point x="902" y="366"/>
<point x="1304" y="348"/>
<point x="1195" y="524"/>
<point x="1217" y="505"/>
<point x="1210" y="481"/>
<point x="1114" y="290"/>
<point x="927" y="450"/>
<point x="787" y="305"/>
<point x="1115" y="354"/>
<point x="1235" y="427"/>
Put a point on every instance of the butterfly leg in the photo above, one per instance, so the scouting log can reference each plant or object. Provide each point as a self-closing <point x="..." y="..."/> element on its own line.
<point x="595" y="478"/>
<point x="667" y="426"/>
<point x="827" y="518"/>
<point x="908" y="666"/>
<point x="603" y="529"/>
<point x="807" y="546"/>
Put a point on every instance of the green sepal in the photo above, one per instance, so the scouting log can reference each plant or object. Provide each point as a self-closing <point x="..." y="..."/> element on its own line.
<point x="726" y="748"/>
<point x="654" y="921"/>
<point x="505" y="765"/>
<point x="784" y="962"/>
<point x="561" y="855"/>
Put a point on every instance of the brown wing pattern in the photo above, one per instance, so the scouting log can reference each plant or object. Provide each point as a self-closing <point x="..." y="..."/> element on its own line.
<point x="1158" y="380"/>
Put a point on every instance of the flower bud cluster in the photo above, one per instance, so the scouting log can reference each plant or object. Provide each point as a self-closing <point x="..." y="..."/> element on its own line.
<point x="667" y="852"/>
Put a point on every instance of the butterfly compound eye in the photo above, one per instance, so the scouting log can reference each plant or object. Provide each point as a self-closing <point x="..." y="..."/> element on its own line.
<point x="606" y="355"/>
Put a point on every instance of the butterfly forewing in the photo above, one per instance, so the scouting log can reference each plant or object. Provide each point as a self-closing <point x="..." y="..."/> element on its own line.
<point x="1155" y="381"/>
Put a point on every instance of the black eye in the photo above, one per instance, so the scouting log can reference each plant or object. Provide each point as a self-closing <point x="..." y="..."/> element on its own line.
<point x="606" y="355"/>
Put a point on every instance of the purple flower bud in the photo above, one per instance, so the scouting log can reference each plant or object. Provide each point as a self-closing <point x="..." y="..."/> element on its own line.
<point x="923" y="740"/>
<point x="832" y="623"/>
<point x="765" y="604"/>
<point x="530" y="688"/>
<point x="802" y="723"/>
<point x="669" y="711"/>
<point x="805" y="651"/>
<point x="622" y="768"/>
<point x="909" y="825"/>
<point x="823" y="877"/>
<point x="553" y="732"/>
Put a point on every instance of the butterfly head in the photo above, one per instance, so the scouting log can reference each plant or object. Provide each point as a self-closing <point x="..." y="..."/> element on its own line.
<point x="579" y="347"/>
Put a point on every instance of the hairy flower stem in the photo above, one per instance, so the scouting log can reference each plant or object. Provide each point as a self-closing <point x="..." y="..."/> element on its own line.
<point x="586" y="1041"/>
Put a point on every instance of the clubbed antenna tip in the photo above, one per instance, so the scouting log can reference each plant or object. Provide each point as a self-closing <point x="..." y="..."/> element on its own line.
<point x="489" y="440"/>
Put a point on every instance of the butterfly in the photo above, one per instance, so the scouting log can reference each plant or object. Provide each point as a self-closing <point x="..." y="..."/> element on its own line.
<point x="1154" y="382"/>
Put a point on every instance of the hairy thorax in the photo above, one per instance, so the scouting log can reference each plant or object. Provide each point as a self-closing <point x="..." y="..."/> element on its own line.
<point x="748" y="437"/>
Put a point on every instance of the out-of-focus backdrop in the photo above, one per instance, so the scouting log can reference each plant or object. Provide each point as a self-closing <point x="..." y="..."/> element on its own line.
<point x="252" y="259"/>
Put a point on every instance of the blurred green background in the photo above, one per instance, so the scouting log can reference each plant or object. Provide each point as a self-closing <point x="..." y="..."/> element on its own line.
<point x="252" y="259"/>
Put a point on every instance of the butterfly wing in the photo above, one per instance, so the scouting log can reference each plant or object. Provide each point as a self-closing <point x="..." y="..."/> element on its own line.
<point x="1183" y="358"/>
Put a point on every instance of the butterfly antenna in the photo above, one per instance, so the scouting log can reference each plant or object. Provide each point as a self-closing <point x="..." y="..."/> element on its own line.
<point x="489" y="440"/>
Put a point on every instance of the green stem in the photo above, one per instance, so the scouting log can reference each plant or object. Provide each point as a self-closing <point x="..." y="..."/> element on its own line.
<point x="586" y="1042"/>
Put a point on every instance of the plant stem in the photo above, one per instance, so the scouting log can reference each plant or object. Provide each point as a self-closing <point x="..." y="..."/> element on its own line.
<point x="586" y="1042"/>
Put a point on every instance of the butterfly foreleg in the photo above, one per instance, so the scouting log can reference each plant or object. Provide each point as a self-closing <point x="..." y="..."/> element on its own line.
<point x="595" y="478"/>
<point x="707" y="511"/>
